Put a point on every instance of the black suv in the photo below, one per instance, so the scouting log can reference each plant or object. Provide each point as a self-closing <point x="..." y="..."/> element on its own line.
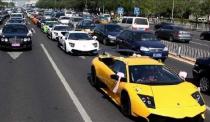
<point x="201" y="71"/>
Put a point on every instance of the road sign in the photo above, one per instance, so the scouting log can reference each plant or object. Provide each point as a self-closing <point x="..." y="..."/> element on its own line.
<point x="120" y="10"/>
<point x="136" y="11"/>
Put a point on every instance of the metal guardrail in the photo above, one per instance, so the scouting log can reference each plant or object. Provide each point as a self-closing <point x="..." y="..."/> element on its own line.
<point x="185" y="51"/>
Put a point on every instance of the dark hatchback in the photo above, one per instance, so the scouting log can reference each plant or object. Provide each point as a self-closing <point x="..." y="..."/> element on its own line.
<point x="201" y="75"/>
<point x="15" y="36"/>
<point x="174" y="33"/>
<point x="107" y="33"/>
<point x="205" y="35"/>
<point x="86" y="25"/>
<point x="144" y="43"/>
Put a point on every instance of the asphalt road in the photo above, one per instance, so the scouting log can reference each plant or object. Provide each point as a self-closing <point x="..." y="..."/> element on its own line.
<point x="39" y="86"/>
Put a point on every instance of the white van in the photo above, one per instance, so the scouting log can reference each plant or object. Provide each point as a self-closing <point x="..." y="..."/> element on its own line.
<point x="135" y="23"/>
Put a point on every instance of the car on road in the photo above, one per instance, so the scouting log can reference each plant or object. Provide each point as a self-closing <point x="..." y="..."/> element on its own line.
<point x="15" y="36"/>
<point x="78" y="42"/>
<point x="160" y="25"/>
<point x="205" y="35"/>
<point x="146" y="88"/>
<point x="64" y="19"/>
<point x="173" y="33"/>
<point x="15" y="15"/>
<point x="135" y="23"/>
<point x="16" y="20"/>
<point x="58" y="30"/>
<point x="144" y="43"/>
<point x="47" y="26"/>
<point x="201" y="75"/>
<point x="107" y="33"/>
<point x="75" y="20"/>
<point x="86" y="25"/>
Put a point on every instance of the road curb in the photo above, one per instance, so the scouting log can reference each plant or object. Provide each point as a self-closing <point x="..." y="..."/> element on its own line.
<point x="185" y="59"/>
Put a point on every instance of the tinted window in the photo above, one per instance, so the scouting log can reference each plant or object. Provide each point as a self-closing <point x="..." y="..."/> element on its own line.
<point x="76" y="19"/>
<point x="16" y="15"/>
<point x="113" y="28"/>
<point x="141" y="21"/>
<point x="79" y="36"/>
<point x="119" y="67"/>
<point x="15" y="29"/>
<point x="144" y="36"/>
<point x="130" y="20"/>
<point x="88" y="23"/>
<point x="62" y="28"/>
<point x="152" y="74"/>
<point x="124" y="20"/>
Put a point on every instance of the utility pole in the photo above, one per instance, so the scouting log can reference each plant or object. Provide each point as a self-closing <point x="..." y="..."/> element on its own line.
<point x="172" y="12"/>
<point x="85" y="4"/>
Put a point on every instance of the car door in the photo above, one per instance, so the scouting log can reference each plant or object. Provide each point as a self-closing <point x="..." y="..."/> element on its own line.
<point x="168" y="32"/>
<point x="128" y="40"/>
<point x="121" y="39"/>
<point x="117" y="67"/>
<point x="63" y="39"/>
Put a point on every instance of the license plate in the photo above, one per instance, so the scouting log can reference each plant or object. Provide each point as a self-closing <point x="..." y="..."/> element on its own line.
<point x="157" y="55"/>
<point x="15" y="45"/>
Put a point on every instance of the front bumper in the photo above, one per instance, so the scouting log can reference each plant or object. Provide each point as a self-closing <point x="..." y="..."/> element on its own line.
<point x="21" y="45"/>
<point x="156" y="118"/>
<point x="84" y="52"/>
<point x="156" y="55"/>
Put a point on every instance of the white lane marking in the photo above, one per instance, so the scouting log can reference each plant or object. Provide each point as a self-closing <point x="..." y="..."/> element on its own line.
<point x="14" y="55"/>
<point x="208" y="108"/>
<point x="82" y="57"/>
<point x="33" y="30"/>
<point x="199" y="43"/>
<point x="70" y="92"/>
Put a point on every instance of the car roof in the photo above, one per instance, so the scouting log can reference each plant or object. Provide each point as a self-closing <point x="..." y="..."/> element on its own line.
<point x="77" y="32"/>
<point x="139" y="60"/>
<point x="16" y="24"/>
<point x="139" y="31"/>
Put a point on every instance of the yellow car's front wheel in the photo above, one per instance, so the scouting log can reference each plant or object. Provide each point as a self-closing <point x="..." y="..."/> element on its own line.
<point x="125" y="104"/>
<point x="94" y="80"/>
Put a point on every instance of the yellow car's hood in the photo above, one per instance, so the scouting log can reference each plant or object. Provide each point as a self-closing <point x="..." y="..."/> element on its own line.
<point x="172" y="100"/>
<point x="174" y="96"/>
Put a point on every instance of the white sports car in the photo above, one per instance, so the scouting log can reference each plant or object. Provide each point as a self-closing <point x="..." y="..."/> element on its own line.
<point x="58" y="31"/>
<point x="77" y="42"/>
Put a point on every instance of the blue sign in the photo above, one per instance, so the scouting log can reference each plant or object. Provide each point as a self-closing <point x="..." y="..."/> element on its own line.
<point x="120" y="10"/>
<point x="136" y="11"/>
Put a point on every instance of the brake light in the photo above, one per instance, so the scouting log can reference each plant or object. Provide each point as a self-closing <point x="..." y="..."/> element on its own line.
<point x="133" y="28"/>
<point x="146" y="29"/>
<point x="176" y="33"/>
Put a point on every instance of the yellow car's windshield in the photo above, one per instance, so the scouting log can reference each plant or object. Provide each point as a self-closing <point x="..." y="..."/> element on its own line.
<point x="153" y="74"/>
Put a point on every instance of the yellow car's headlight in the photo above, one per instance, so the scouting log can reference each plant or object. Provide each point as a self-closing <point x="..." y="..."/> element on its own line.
<point x="198" y="98"/>
<point x="148" y="100"/>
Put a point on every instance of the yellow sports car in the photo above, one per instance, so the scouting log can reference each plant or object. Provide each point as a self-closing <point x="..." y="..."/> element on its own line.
<point x="146" y="88"/>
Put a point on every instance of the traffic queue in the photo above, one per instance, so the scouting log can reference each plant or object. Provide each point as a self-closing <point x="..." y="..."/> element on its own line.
<point x="140" y="84"/>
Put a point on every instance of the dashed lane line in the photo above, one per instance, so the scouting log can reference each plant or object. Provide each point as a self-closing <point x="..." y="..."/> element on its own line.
<point x="208" y="108"/>
<point x="70" y="92"/>
<point x="82" y="57"/>
<point x="199" y="43"/>
<point x="33" y="30"/>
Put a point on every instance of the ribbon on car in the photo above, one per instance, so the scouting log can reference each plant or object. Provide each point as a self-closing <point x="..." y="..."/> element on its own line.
<point x="120" y="76"/>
